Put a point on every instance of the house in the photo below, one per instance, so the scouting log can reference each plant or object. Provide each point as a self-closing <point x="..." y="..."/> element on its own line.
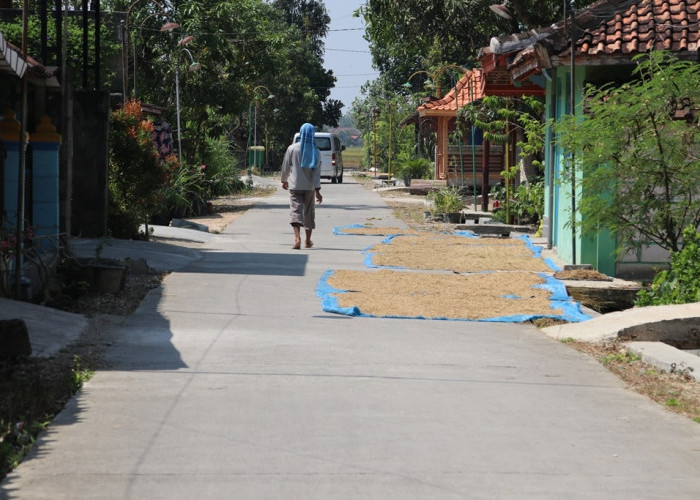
<point x="608" y="34"/>
<point x="37" y="179"/>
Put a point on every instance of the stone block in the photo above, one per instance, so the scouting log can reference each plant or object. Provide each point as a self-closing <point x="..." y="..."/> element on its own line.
<point x="14" y="339"/>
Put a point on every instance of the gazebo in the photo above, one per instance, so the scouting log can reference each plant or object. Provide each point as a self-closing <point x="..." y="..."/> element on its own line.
<point x="458" y="163"/>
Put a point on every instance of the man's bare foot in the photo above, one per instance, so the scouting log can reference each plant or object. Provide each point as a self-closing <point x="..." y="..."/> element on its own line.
<point x="297" y="245"/>
<point x="309" y="244"/>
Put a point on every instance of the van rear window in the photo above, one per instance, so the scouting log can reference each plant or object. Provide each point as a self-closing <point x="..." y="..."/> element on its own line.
<point x="322" y="143"/>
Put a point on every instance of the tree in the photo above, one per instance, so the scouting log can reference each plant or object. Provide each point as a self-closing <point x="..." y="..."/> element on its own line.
<point x="311" y="18"/>
<point x="379" y="119"/>
<point x="136" y="171"/>
<point x="109" y="48"/>
<point x="414" y="35"/>
<point x="637" y="154"/>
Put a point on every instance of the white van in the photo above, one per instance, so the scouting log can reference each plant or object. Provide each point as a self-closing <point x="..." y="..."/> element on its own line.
<point x="331" y="155"/>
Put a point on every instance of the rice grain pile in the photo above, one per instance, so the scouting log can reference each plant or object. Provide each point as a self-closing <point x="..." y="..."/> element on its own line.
<point x="376" y="231"/>
<point x="433" y="295"/>
<point x="457" y="253"/>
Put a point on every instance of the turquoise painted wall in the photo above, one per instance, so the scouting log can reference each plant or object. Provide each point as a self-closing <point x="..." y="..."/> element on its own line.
<point x="595" y="249"/>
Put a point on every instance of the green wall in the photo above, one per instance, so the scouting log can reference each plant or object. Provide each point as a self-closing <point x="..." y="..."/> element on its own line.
<point x="595" y="249"/>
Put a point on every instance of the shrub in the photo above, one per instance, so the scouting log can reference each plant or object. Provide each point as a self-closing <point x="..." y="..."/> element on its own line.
<point x="184" y="192"/>
<point x="526" y="202"/>
<point x="681" y="283"/>
<point x="221" y="171"/>
<point x="446" y="200"/>
<point x="416" y="168"/>
<point x="136" y="172"/>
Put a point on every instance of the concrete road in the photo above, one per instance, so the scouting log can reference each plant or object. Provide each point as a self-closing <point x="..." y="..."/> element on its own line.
<point x="231" y="383"/>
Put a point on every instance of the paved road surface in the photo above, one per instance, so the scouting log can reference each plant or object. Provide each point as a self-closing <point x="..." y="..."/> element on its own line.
<point x="231" y="383"/>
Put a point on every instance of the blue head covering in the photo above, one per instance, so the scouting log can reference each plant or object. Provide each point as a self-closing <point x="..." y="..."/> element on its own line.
<point x="309" y="152"/>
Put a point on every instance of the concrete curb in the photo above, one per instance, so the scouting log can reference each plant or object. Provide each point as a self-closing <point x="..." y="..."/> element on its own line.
<point x="666" y="357"/>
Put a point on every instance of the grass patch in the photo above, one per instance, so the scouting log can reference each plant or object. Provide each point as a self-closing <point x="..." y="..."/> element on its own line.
<point x="352" y="156"/>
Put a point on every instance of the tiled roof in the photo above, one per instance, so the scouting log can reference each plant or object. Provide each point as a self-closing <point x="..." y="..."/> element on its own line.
<point x="615" y="29"/>
<point x="474" y="85"/>
<point x="470" y="87"/>
<point x="638" y="26"/>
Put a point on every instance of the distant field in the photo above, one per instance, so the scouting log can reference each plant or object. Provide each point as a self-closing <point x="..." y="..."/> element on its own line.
<point x="352" y="156"/>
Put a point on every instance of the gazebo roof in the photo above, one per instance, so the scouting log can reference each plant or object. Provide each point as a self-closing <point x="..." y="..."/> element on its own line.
<point x="475" y="85"/>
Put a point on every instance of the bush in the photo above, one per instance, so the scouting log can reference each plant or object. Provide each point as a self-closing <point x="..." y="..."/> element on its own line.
<point x="221" y="172"/>
<point x="526" y="203"/>
<point x="681" y="283"/>
<point x="416" y="168"/>
<point x="185" y="192"/>
<point x="136" y="172"/>
<point x="446" y="200"/>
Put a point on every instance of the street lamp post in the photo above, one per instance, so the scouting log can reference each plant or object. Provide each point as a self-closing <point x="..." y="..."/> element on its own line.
<point x="255" y="104"/>
<point x="167" y="27"/>
<point x="194" y="66"/>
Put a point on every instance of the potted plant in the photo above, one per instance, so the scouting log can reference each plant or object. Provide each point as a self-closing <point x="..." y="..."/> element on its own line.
<point x="415" y="168"/>
<point x="448" y="202"/>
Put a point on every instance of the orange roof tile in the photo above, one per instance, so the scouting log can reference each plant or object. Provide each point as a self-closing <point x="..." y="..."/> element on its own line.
<point x="475" y="85"/>
<point x="638" y="26"/>
<point x="616" y="29"/>
<point x="469" y="88"/>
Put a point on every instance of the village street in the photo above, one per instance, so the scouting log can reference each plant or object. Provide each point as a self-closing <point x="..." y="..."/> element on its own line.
<point x="231" y="382"/>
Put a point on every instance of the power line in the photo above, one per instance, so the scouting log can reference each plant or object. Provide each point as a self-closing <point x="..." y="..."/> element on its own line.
<point x="349" y="50"/>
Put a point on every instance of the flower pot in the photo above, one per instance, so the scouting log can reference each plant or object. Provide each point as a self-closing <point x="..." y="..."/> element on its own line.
<point x="101" y="275"/>
<point x="407" y="180"/>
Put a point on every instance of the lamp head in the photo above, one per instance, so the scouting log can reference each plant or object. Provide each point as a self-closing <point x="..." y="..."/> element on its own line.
<point x="195" y="66"/>
<point x="169" y="26"/>
<point x="502" y="10"/>
<point x="185" y="40"/>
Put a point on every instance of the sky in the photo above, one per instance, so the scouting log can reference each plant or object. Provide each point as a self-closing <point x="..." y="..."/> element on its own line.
<point x="347" y="52"/>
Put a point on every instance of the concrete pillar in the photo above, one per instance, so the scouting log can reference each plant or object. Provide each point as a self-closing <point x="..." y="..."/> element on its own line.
<point x="46" y="144"/>
<point x="9" y="131"/>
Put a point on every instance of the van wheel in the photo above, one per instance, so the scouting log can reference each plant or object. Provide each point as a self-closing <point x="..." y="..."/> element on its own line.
<point x="340" y="178"/>
<point x="334" y="179"/>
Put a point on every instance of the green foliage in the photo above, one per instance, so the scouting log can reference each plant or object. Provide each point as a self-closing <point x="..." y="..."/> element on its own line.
<point x="109" y="48"/>
<point x="625" y="357"/>
<point x="136" y="172"/>
<point x="248" y="50"/>
<point x="526" y="204"/>
<point x="221" y="171"/>
<point x="379" y="118"/>
<point x="416" y="168"/>
<point x="500" y="119"/>
<point x="78" y="375"/>
<point x="635" y="154"/>
<point x="185" y="192"/>
<point x="413" y="35"/>
<point x="445" y="200"/>
<point x="681" y="283"/>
